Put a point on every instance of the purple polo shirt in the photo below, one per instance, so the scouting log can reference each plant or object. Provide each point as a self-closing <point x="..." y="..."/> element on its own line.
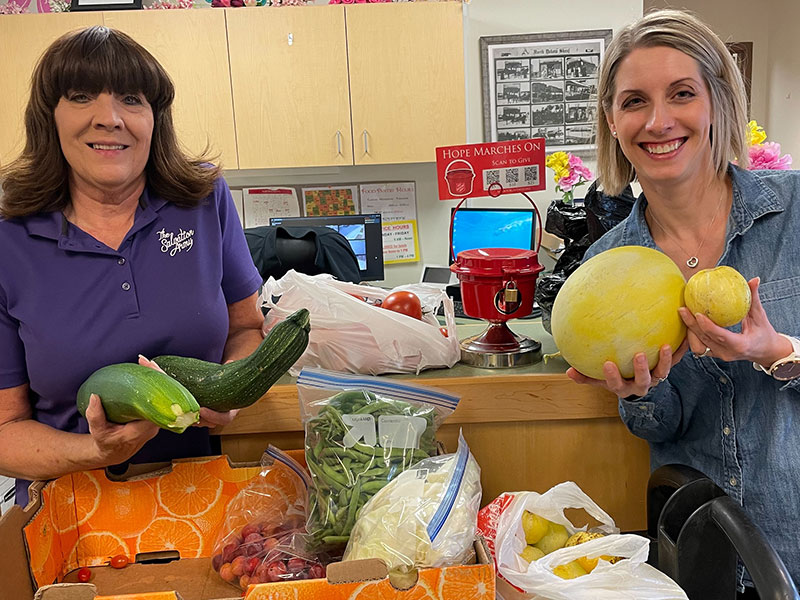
<point x="70" y="304"/>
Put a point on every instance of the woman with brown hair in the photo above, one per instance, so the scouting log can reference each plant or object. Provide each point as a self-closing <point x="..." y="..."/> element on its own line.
<point x="114" y="244"/>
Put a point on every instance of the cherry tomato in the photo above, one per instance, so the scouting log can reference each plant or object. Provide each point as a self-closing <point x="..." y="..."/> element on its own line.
<point x="405" y="303"/>
<point x="357" y="296"/>
<point x="84" y="574"/>
<point x="120" y="561"/>
<point x="443" y="331"/>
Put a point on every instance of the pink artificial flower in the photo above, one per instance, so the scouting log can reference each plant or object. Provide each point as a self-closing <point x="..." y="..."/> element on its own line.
<point x="576" y="166"/>
<point x="768" y="156"/>
<point x="566" y="183"/>
<point x="361" y="1"/>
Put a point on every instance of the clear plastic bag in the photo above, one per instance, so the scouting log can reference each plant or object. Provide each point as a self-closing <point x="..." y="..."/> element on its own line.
<point x="360" y="433"/>
<point x="629" y="578"/>
<point x="263" y="536"/>
<point x="351" y="335"/>
<point x="425" y="517"/>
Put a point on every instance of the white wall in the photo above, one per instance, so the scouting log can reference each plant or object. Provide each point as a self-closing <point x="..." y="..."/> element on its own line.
<point x="772" y="27"/>
<point x="482" y="18"/>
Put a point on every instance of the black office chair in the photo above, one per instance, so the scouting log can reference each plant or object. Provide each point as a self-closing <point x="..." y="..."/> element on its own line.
<point x="697" y="533"/>
<point x="311" y="250"/>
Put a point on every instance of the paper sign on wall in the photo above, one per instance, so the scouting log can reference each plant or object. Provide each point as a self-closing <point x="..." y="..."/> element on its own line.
<point x="492" y="169"/>
<point x="400" y="242"/>
<point x="262" y="203"/>
<point x="396" y="203"/>
<point x="330" y="200"/>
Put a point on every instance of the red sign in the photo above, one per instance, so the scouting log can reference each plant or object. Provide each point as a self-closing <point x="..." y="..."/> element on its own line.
<point x="490" y="169"/>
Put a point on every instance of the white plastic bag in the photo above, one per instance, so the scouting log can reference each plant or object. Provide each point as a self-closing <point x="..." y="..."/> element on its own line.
<point x="631" y="579"/>
<point x="424" y="517"/>
<point x="350" y="335"/>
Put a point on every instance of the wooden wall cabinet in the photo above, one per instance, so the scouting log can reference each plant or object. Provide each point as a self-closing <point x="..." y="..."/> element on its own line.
<point x="289" y="80"/>
<point x="336" y="85"/>
<point x="406" y="80"/>
<point x="290" y="87"/>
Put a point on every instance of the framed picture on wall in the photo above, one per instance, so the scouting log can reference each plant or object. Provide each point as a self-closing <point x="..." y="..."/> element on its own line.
<point x="542" y="85"/>
<point x="78" y="5"/>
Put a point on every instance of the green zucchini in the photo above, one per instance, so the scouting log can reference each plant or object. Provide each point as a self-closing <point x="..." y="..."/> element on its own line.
<point x="130" y="392"/>
<point x="242" y="382"/>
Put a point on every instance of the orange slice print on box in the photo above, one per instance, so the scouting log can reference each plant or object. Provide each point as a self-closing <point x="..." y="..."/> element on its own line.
<point x="125" y="508"/>
<point x="166" y="533"/>
<point x="39" y="536"/>
<point x="211" y="522"/>
<point x="383" y="590"/>
<point x="188" y="491"/>
<point x="97" y="548"/>
<point x="221" y="469"/>
<point x="464" y="584"/>
<point x="73" y="500"/>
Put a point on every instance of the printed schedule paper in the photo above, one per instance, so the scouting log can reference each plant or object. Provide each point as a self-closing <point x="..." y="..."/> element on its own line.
<point x="397" y="204"/>
<point x="262" y="203"/>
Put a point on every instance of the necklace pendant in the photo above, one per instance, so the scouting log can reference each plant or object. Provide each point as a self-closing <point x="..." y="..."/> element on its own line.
<point x="692" y="262"/>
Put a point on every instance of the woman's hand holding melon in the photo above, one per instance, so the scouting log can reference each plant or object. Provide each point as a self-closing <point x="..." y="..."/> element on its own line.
<point x="758" y="342"/>
<point x="643" y="379"/>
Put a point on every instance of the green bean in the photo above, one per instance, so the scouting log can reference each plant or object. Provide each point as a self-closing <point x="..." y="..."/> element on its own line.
<point x="373" y="486"/>
<point x="380" y="405"/>
<point x="336" y="539"/>
<point x="333" y="475"/>
<point x="351" y="509"/>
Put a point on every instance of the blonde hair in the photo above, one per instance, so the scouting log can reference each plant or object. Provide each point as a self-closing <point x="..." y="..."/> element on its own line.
<point x="685" y="32"/>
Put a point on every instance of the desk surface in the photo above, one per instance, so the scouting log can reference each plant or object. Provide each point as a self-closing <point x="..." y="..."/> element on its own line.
<point x="537" y="392"/>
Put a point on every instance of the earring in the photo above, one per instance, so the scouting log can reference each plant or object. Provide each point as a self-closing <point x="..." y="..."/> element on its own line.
<point x="614" y="132"/>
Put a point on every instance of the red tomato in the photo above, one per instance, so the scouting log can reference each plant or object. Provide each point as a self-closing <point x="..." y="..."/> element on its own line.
<point x="405" y="303"/>
<point x="120" y="561"/>
<point x="357" y="296"/>
<point x="84" y="574"/>
<point x="443" y="331"/>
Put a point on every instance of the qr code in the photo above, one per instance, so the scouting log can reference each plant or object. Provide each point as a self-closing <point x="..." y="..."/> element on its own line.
<point x="531" y="175"/>
<point x="512" y="177"/>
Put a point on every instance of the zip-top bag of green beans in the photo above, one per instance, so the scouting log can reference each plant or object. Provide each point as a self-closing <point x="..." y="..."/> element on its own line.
<point x="360" y="433"/>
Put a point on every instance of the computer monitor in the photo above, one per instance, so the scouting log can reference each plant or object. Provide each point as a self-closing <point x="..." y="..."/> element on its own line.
<point x="493" y="228"/>
<point x="363" y="232"/>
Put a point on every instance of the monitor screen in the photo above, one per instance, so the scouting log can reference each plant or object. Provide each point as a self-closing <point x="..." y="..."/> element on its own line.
<point x="363" y="232"/>
<point x="493" y="228"/>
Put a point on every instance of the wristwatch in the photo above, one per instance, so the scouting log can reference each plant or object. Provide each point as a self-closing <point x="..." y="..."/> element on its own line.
<point x="786" y="368"/>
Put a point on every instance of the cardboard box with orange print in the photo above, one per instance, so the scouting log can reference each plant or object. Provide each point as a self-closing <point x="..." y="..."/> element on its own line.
<point x="156" y="517"/>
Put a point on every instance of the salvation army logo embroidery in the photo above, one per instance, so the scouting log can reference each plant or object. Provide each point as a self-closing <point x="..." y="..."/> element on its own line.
<point x="173" y="243"/>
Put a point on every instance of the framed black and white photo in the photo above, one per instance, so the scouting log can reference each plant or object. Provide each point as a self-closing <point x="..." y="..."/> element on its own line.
<point x="542" y="85"/>
<point x="78" y="5"/>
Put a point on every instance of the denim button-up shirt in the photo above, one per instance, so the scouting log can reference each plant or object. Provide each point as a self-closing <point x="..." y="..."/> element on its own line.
<point x="737" y="425"/>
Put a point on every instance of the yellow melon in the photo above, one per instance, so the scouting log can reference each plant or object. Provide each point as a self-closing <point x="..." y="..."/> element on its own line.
<point x="721" y="294"/>
<point x="618" y="303"/>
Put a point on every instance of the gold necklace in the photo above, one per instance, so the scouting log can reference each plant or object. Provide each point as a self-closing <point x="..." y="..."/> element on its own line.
<point x="693" y="261"/>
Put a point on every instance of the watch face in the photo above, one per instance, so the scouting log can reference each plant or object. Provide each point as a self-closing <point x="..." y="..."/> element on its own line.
<point x="788" y="370"/>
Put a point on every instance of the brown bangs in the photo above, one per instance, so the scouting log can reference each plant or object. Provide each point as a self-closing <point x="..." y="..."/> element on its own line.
<point x="99" y="59"/>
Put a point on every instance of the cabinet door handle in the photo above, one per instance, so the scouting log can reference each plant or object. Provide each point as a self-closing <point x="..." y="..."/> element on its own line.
<point x="366" y="143"/>
<point x="338" y="141"/>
